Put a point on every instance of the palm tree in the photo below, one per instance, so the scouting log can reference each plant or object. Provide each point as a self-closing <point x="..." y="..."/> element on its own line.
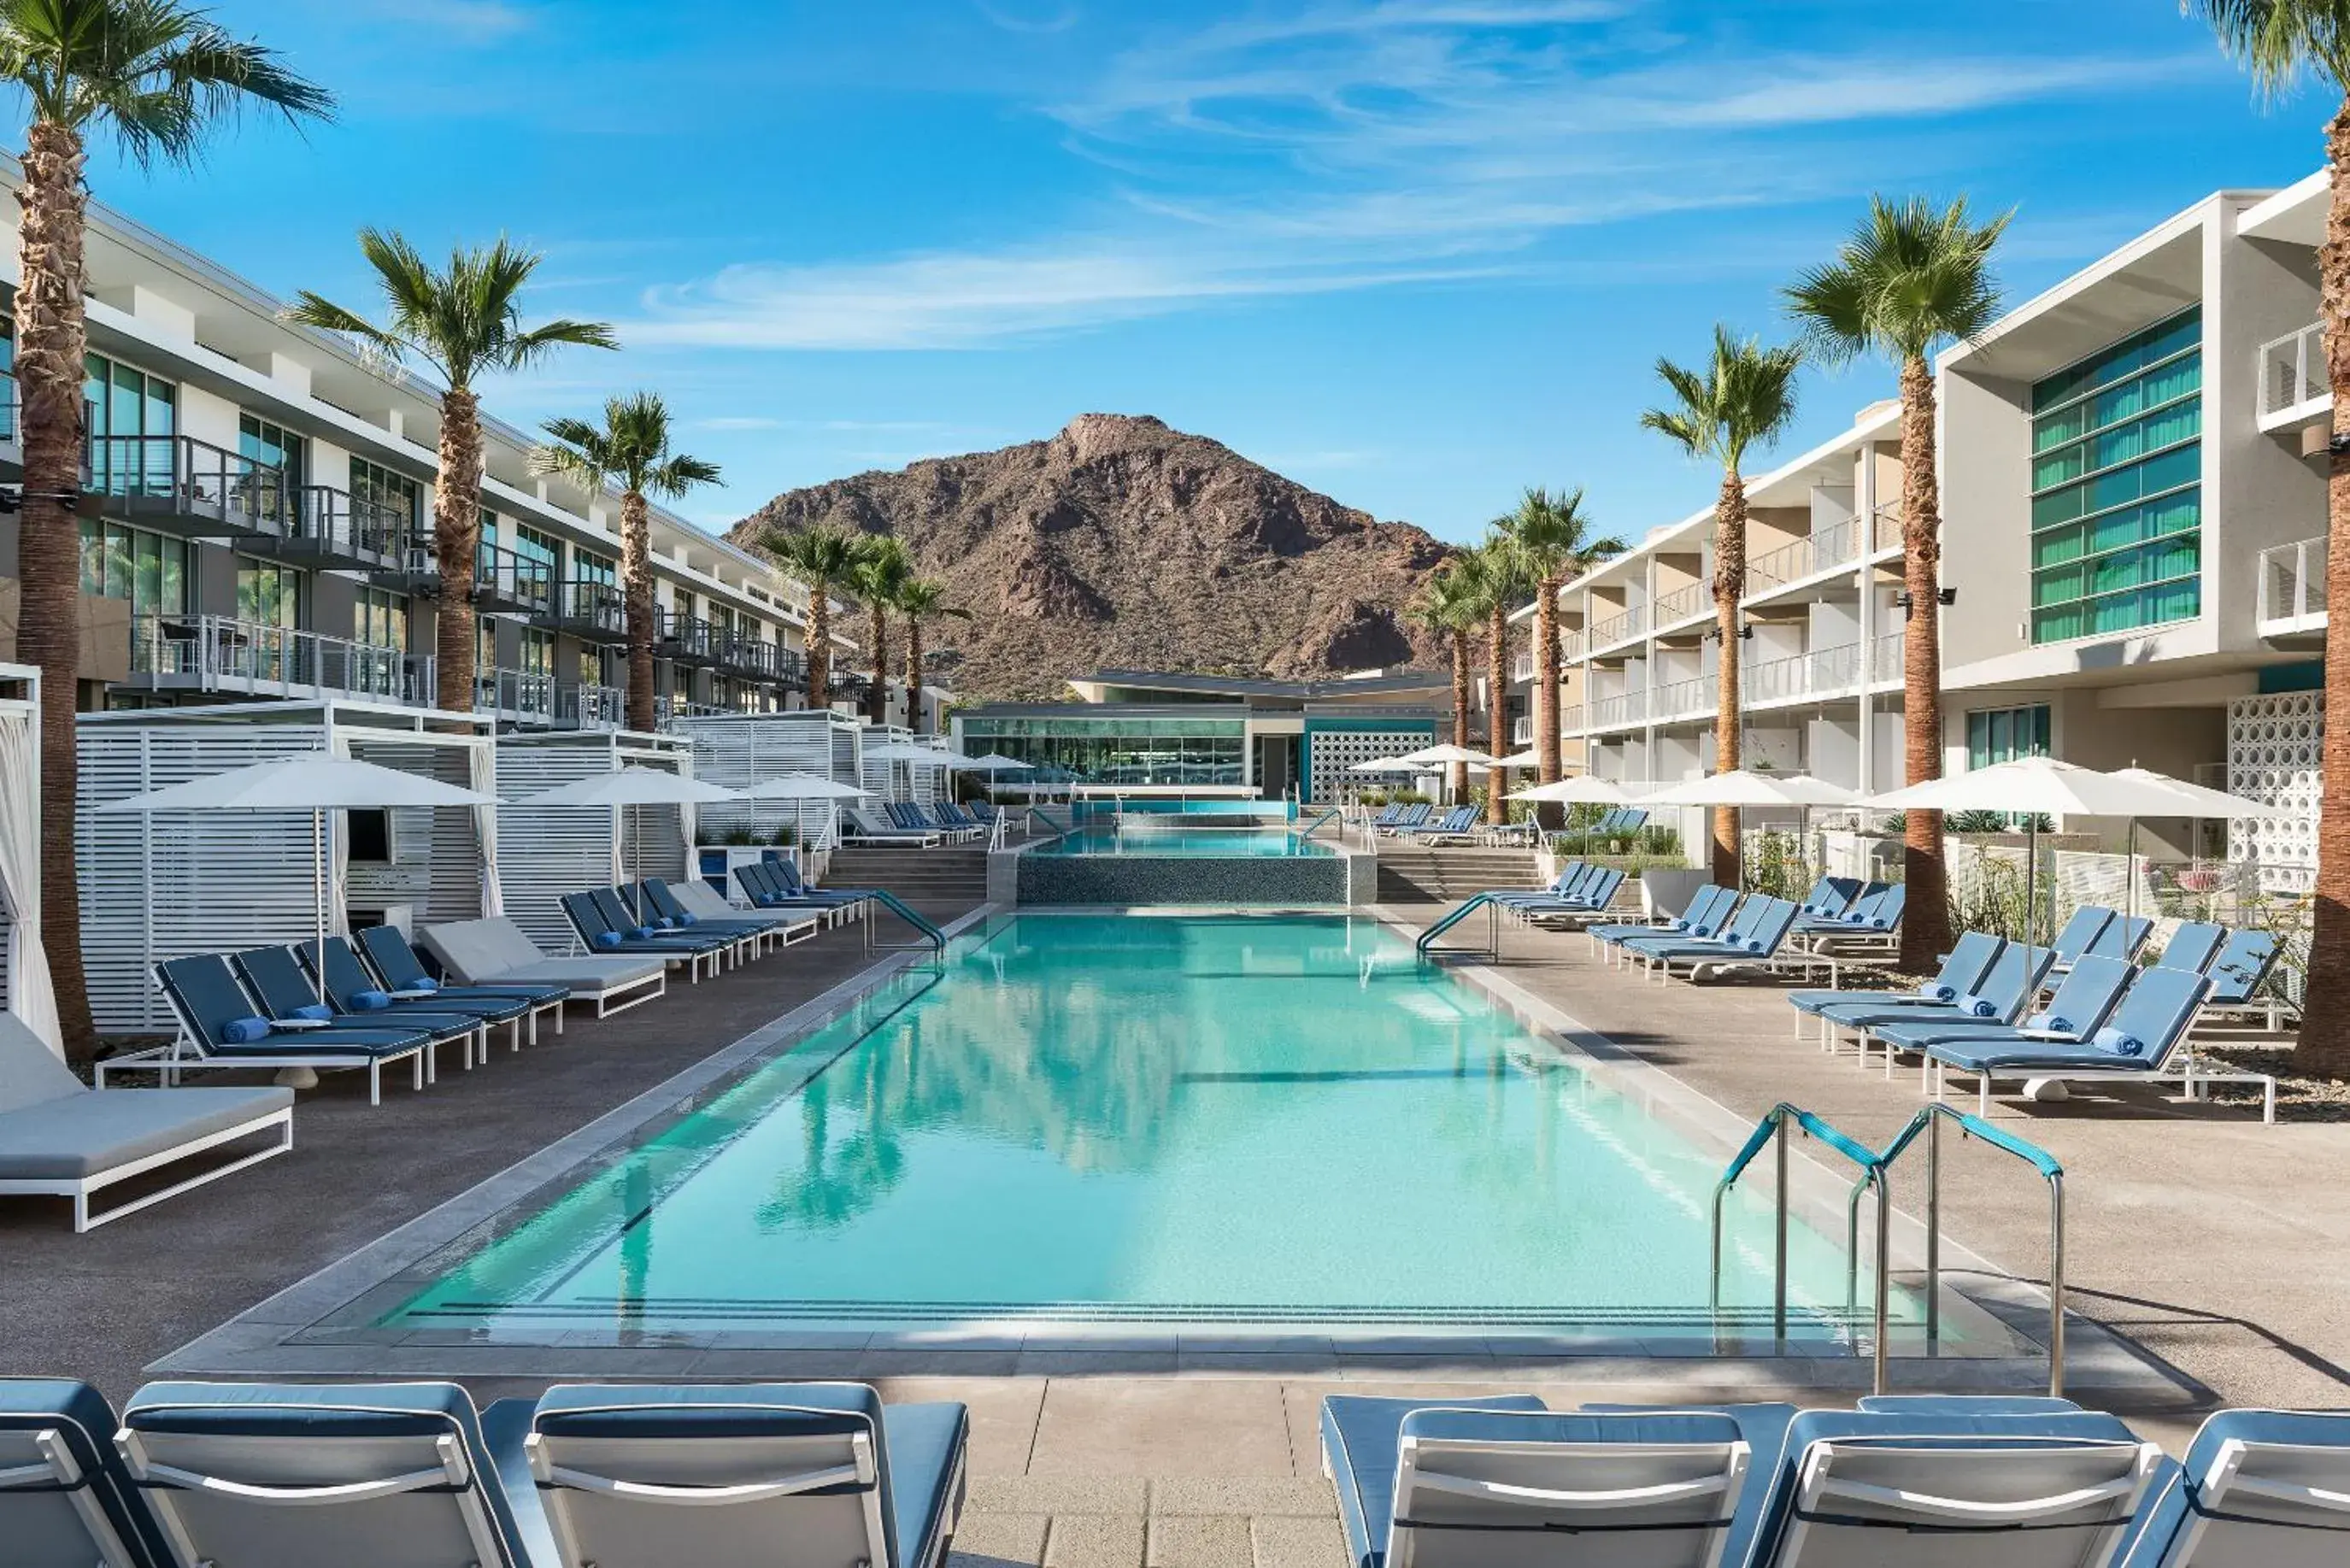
<point x="821" y="558"/>
<point x="1553" y="539"/>
<point x="2277" y="41"/>
<point x="1449" y="604"/>
<point x="883" y="566"/>
<point x="157" y="75"/>
<point x="1503" y="577"/>
<point x="632" y="450"/>
<point x="1745" y="399"/>
<point x="464" y="322"/>
<point x="918" y="598"/>
<point x="1911" y="278"/>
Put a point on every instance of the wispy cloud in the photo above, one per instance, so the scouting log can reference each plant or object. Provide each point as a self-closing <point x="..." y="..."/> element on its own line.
<point x="1339" y="146"/>
<point x="1014" y="15"/>
<point x="471" y="21"/>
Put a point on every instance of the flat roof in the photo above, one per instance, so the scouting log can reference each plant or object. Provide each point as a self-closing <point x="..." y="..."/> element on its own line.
<point x="1244" y="686"/>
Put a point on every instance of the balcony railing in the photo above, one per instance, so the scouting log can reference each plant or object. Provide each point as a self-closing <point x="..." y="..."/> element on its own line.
<point x="668" y="708"/>
<point x="593" y="610"/>
<point x="686" y="638"/>
<point x="1613" y="713"/>
<point x="2293" y="372"/>
<point x="508" y="579"/>
<point x="2293" y="588"/>
<point x="1885" y="658"/>
<point x="527" y="697"/>
<point x="1884" y="527"/>
<point x="1619" y="627"/>
<point x="1823" y="549"/>
<point x="1684" y="699"/>
<point x="1689" y="599"/>
<point x="1570" y="719"/>
<point x="1523" y="670"/>
<point x="214" y="653"/>
<point x="1521" y="731"/>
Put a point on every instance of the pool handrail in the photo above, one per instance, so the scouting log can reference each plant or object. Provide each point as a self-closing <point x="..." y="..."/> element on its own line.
<point x="932" y="937"/>
<point x="1929" y="1123"/>
<point x="1772" y="1128"/>
<point x="1424" y="943"/>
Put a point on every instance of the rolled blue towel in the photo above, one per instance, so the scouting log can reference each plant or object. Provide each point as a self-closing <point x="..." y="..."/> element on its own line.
<point x="369" y="1001"/>
<point x="766" y="901"/>
<point x="2118" y="1043"/>
<point x="1756" y="945"/>
<point x="689" y="919"/>
<point x="1935" y="990"/>
<point x="643" y="931"/>
<point x="317" y="1011"/>
<point x="1976" y="1007"/>
<point x="425" y="982"/>
<point x="663" y="921"/>
<point x="607" y="938"/>
<point x="245" y="1031"/>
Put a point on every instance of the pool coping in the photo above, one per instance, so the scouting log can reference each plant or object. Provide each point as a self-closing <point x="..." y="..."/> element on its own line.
<point x="288" y="1334"/>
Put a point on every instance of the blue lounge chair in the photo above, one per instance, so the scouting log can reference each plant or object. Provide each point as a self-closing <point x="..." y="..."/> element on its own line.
<point x="1427" y="1486"/>
<point x="1872" y="918"/>
<point x="403" y="974"/>
<point x="1588" y="901"/>
<point x="1831" y="896"/>
<point x="2081" y="930"/>
<point x="1963" y="968"/>
<point x="1459" y="820"/>
<point x="2240" y="981"/>
<point x="351" y="989"/>
<point x="276" y="976"/>
<point x="221" y="1025"/>
<point x="1707" y="909"/>
<point x="818" y="1475"/>
<point x="922" y="818"/>
<point x="2266" y="1487"/>
<point x="2006" y="992"/>
<point x="859" y="827"/>
<point x="776" y="884"/>
<point x="598" y="932"/>
<point x="655" y="897"/>
<point x="66" y="1501"/>
<point x="2080" y="1008"/>
<point x="1387" y="817"/>
<point x="1570" y="875"/>
<point x="2138" y="1045"/>
<point x="1412" y="817"/>
<point x="2194" y="946"/>
<point x="1860" y="1488"/>
<point x="1745" y="944"/>
<point x="1730" y="926"/>
<point x="373" y="1475"/>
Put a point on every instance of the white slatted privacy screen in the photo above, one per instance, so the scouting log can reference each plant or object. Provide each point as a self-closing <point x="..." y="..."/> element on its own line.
<point x="545" y="852"/>
<point x="739" y="749"/>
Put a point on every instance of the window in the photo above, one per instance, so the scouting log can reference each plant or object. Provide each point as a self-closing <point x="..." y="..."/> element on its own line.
<point x="2003" y="734"/>
<point x="148" y="569"/>
<point x="268" y="594"/>
<point x="591" y="666"/>
<point x="272" y="445"/>
<point x="486" y="646"/>
<point x="396" y="495"/>
<point x="131" y="417"/>
<point x="1118" y="750"/>
<point x="537" y="651"/>
<point x="588" y="568"/>
<point x="2117" y="495"/>
<point x="379" y="619"/>
<point x="537" y="556"/>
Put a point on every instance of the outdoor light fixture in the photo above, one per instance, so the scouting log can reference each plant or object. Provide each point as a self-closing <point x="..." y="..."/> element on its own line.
<point x="1746" y="633"/>
<point x="13" y="498"/>
<point x="1907" y="606"/>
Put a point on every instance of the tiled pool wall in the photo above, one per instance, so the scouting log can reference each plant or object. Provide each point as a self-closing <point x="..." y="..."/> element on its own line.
<point x="1347" y="878"/>
<point x="1182" y="812"/>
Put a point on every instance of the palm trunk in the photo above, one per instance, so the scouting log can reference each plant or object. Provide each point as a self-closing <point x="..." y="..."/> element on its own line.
<point x="456" y="535"/>
<point x="2323" y="1048"/>
<point x="1461" y="708"/>
<point x="52" y="337"/>
<point x="636" y="595"/>
<point x="914" y="719"/>
<point x="1926" y="917"/>
<point x="819" y="647"/>
<point x="877" y="630"/>
<point x="1729" y="587"/>
<point x="1547" y="694"/>
<point x="1497" y="712"/>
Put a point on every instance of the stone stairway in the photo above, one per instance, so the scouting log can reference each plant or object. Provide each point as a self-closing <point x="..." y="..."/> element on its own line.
<point x="942" y="876"/>
<point x="1417" y="874"/>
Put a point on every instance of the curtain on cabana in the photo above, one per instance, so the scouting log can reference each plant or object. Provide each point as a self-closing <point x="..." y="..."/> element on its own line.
<point x="31" y="996"/>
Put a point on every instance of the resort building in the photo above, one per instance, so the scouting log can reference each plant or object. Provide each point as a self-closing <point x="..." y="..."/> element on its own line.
<point x="257" y="523"/>
<point x="1137" y="732"/>
<point x="2133" y="502"/>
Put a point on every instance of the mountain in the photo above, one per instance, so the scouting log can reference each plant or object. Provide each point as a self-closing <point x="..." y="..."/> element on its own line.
<point x="1122" y="543"/>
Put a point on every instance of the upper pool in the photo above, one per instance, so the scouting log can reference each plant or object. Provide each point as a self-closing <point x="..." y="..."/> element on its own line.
<point x="1192" y="840"/>
<point x="1257" y="1122"/>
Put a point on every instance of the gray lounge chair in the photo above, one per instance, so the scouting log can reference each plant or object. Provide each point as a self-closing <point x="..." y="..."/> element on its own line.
<point x="496" y="951"/>
<point x="60" y="1138"/>
<point x="65" y="1499"/>
<point x="860" y="827"/>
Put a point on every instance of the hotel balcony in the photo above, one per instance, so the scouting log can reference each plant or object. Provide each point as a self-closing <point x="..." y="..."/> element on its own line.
<point x="668" y="708"/>
<point x="1689" y="602"/>
<point x="532" y="701"/>
<point x="508" y="580"/>
<point x="2296" y="391"/>
<point x="684" y="639"/>
<point x="2293" y="592"/>
<point x="592" y="611"/>
<point x="192" y="489"/>
<point x="1826" y="552"/>
<point x="755" y="659"/>
<point x="1621" y="628"/>
<point x="215" y="654"/>
<point x="1521" y="731"/>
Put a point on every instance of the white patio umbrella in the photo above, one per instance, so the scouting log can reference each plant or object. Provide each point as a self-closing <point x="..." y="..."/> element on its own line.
<point x="315" y="782"/>
<point x="634" y="788"/>
<point x="1583" y="789"/>
<point x="1529" y="758"/>
<point x="799" y="789"/>
<point x="1744" y="787"/>
<point x="2038" y="786"/>
<point x="906" y="752"/>
<point x="1440" y="755"/>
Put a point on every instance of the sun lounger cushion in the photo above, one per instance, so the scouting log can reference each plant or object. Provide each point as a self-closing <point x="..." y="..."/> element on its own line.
<point x="29" y="1074"/>
<point x="91" y="1133"/>
<point x="919" y="1450"/>
<point x="40" y="1522"/>
<point x="309" y="1435"/>
<point x="1362" y="1443"/>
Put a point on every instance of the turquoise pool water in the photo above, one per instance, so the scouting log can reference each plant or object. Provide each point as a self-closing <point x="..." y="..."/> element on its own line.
<point x="1191" y="842"/>
<point x="1146" y="1120"/>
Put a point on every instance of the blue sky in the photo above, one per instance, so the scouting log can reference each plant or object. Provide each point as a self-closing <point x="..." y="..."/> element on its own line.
<point x="1419" y="254"/>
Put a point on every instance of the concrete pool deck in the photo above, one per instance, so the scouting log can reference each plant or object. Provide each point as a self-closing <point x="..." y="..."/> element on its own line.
<point x="2205" y="1237"/>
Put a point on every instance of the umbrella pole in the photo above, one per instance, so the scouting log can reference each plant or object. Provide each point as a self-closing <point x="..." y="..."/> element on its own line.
<point x="2031" y="877"/>
<point x="2129" y="874"/>
<point x="318" y="891"/>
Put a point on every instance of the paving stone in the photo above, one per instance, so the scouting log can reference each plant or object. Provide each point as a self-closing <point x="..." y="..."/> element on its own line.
<point x="1282" y="1543"/>
<point x="1057" y="1495"/>
<point x="1094" y="1541"/>
<point x="1162" y="1427"/>
<point x="1187" y="1543"/>
<point x="985" y="1539"/>
<point x="1202" y="1496"/>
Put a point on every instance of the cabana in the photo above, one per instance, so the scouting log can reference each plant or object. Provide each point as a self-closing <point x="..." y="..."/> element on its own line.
<point x="25" y="989"/>
<point x="171" y="885"/>
<point x="549" y="851"/>
<point x="739" y="749"/>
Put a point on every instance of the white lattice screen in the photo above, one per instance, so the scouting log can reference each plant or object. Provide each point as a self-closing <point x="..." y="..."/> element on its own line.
<point x="1331" y="755"/>
<point x="2274" y="746"/>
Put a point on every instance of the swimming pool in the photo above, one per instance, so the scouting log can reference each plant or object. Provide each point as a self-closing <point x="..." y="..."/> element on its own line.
<point x="1188" y="841"/>
<point x="1253" y="1122"/>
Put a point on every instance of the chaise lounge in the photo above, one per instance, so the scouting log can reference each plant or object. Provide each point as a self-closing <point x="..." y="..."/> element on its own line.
<point x="496" y="951"/>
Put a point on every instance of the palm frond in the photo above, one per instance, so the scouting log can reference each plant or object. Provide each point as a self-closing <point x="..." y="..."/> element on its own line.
<point x="1910" y="277"/>
<point x="2276" y="41"/>
<point x="676" y="478"/>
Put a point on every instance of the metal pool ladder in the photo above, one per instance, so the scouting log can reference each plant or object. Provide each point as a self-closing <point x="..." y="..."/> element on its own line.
<point x="1426" y="945"/>
<point x="928" y="935"/>
<point x="1875" y="1176"/>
